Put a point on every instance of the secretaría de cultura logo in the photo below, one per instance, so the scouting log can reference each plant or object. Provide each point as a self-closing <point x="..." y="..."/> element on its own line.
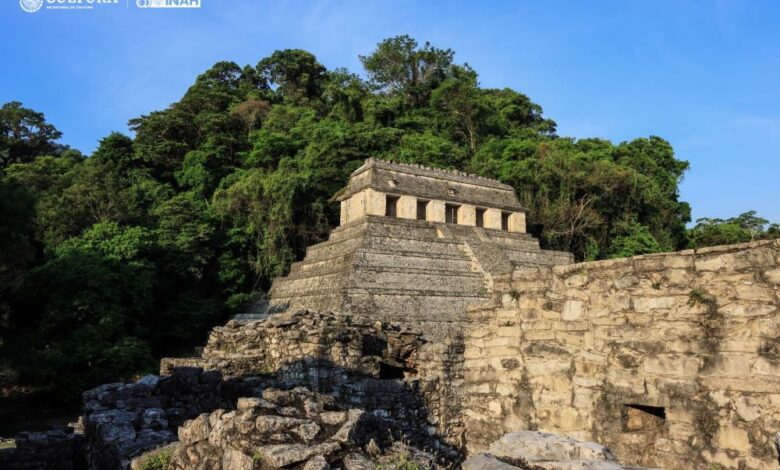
<point x="31" y="6"/>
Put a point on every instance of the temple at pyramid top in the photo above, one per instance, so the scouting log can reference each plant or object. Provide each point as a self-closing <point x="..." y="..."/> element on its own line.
<point x="416" y="192"/>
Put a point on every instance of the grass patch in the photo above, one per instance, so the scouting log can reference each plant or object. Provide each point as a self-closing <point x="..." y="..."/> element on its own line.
<point x="157" y="462"/>
<point x="9" y="444"/>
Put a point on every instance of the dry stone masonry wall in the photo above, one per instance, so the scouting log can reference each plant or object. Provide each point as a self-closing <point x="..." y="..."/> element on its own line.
<point x="670" y="360"/>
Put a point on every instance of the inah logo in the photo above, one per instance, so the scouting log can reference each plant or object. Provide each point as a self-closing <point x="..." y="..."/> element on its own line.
<point x="168" y="3"/>
<point x="31" y="6"/>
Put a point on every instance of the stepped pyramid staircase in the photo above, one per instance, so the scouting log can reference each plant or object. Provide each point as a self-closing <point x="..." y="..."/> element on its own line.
<point x="407" y="271"/>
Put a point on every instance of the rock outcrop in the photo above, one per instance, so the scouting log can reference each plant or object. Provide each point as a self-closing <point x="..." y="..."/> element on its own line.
<point x="295" y="429"/>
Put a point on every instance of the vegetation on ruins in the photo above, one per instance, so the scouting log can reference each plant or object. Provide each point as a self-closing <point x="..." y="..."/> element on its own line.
<point x="111" y="260"/>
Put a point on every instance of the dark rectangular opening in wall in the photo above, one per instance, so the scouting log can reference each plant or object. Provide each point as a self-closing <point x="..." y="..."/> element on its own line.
<point x="389" y="372"/>
<point x="422" y="210"/>
<point x="642" y="417"/>
<point x="505" y="221"/>
<point x="391" y="206"/>
<point x="480" y="217"/>
<point x="451" y="213"/>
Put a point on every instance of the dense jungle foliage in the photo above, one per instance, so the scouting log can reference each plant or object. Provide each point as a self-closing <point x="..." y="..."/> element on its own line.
<point x="113" y="260"/>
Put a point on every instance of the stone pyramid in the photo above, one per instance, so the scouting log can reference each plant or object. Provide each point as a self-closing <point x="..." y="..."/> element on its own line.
<point x="399" y="256"/>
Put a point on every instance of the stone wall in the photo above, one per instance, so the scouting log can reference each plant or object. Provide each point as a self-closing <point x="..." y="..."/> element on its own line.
<point x="123" y="420"/>
<point x="670" y="360"/>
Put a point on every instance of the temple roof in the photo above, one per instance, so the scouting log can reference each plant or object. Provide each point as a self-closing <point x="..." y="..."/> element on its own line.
<point x="431" y="183"/>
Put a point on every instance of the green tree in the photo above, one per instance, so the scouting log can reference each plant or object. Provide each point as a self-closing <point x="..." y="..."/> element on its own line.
<point x="297" y="75"/>
<point x="399" y="66"/>
<point x="743" y="228"/>
<point x="24" y="135"/>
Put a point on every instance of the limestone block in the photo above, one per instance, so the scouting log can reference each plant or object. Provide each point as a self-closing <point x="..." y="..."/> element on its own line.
<point x="492" y="219"/>
<point x="353" y="208"/>
<point x="544" y="368"/>
<point x="732" y="437"/>
<point x="344" y="211"/>
<point x="236" y="460"/>
<point x="764" y="366"/>
<point x="535" y="446"/>
<point x="436" y="211"/>
<point x="630" y="381"/>
<point x="648" y="263"/>
<point x="517" y="222"/>
<point x="679" y="260"/>
<point x="748" y="408"/>
<point x="742" y="309"/>
<point x="467" y="215"/>
<point x="648" y="304"/>
<point x="486" y="462"/>
<point x="407" y="207"/>
<point x="682" y="366"/>
<point x="709" y="260"/>
<point x="573" y="310"/>
<point x="577" y="280"/>
<point x="772" y="276"/>
<point x="571" y="326"/>
<point x="375" y="202"/>
<point x="544" y="335"/>
<point x="755" y="292"/>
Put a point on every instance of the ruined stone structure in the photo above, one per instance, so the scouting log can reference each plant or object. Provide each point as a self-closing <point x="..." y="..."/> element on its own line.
<point x="415" y="245"/>
<point x="670" y="360"/>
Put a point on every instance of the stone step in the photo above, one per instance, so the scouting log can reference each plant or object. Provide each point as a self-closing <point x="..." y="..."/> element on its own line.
<point x="308" y="265"/>
<point x="405" y="280"/>
<point x="284" y="287"/>
<point x="393" y="259"/>
<point x="540" y="258"/>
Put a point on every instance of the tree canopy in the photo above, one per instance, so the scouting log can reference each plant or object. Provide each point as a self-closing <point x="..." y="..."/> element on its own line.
<point x="110" y="261"/>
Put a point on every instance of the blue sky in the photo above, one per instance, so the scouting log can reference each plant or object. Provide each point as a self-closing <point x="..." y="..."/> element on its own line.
<point x="704" y="75"/>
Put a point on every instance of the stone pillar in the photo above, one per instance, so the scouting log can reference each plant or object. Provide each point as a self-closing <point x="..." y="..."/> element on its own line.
<point x="375" y="202"/>
<point x="467" y="215"/>
<point x="407" y="207"/>
<point x="353" y="208"/>
<point x="344" y="211"/>
<point x="517" y="222"/>
<point x="436" y="211"/>
<point x="492" y="219"/>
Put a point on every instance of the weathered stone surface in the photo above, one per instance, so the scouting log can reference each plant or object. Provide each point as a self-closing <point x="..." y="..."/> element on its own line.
<point x="356" y="461"/>
<point x="235" y="460"/>
<point x="531" y="450"/>
<point x="317" y="463"/>
<point x="537" y="446"/>
<point x="486" y="462"/>
<point x="272" y="440"/>
<point x="669" y="360"/>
